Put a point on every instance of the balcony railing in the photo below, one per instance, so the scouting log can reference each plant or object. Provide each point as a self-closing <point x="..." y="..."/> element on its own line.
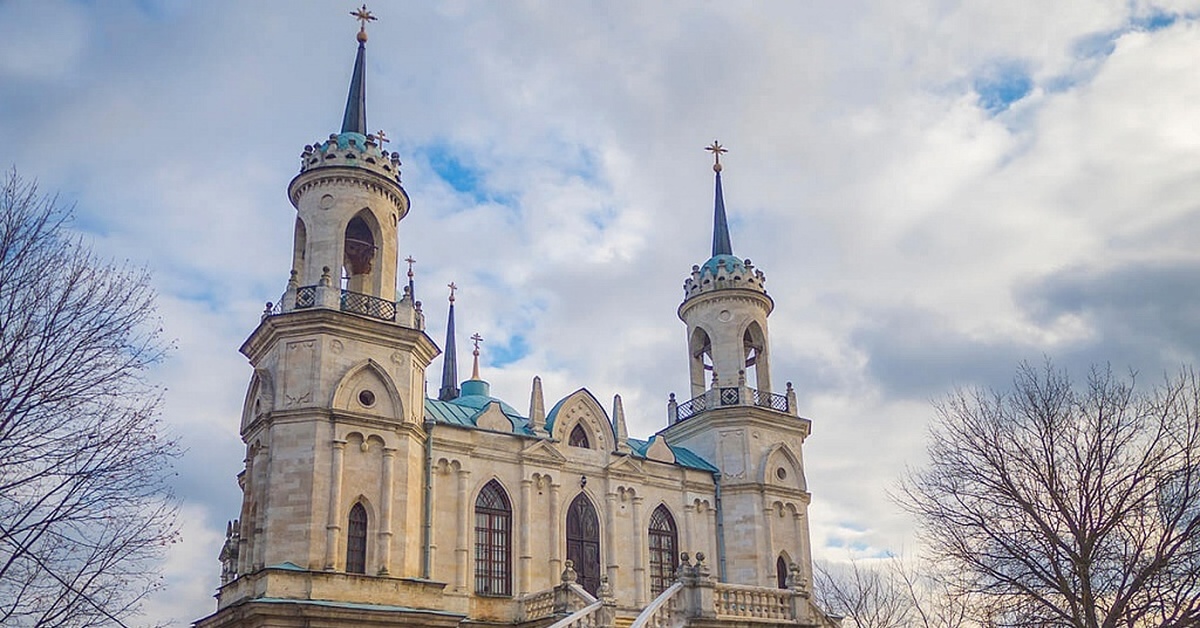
<point x="352" y="302"/>
<point x="731" y="396"/>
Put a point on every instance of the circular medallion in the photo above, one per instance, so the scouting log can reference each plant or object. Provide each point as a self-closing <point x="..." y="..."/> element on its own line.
<point x="725" y="316"/>
<point x="366" y="398"/>
<point x="326" y="201"/>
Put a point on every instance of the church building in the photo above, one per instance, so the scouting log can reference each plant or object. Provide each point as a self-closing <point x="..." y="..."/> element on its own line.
<point x="367" y="503"/>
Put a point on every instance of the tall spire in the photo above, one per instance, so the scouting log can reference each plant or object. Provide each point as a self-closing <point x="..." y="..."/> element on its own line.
<point x="449" y="388"/>
<point x="476" y="338"/>
<point x="721" y="244"/>
<point x="355" y="119"/>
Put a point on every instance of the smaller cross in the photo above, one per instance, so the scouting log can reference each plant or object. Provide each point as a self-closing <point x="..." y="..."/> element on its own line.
<point x="476" y="339"/>
<point x="363" y="16"/>
<point x="382" y="136"/>
<point x="475" y="361"/>
<point x="452" y="289"/>
<point x="410" y="261"/>
<point x="717" y="150"/>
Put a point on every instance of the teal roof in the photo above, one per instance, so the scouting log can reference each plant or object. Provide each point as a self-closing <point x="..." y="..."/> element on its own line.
<point x="465" y="409"/>
<point x="732" y="264"/>
<point x="684" y="457"/>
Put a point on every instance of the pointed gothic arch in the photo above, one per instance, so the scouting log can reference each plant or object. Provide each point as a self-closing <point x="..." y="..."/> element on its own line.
<point x="493" y="541"/>
<point x="583" y="542"/>
<point x="699" y="360"/>
<point x="260" y="396"/>
<point x="299" y="248"/>
<point x="781" y="571"/>
<point x="581" y="408"/>
<point x="579" y="437"/>
<point x="360" y="253"/>
<point x="356" y="539"/>
<point x="757" y="355"/>
<point x="664" y="546"/>
<point x="367" y="387"/>
<point x="782" y="467"/>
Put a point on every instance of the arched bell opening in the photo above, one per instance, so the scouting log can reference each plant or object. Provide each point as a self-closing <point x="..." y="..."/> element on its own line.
<point x="360" y="264"/>
<point x="754" y="349"/>
<point x="700" y="361"/>
<point x="299" y="248"/>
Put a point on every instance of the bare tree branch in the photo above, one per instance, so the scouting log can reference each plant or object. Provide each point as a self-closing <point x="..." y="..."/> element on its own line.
<point x="85" y="514"/>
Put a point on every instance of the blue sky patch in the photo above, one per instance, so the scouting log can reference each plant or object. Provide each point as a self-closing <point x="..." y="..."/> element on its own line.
<point x="1001" y="86"/>
<point x="504" y="354"/>
<point x="458" y="174"/>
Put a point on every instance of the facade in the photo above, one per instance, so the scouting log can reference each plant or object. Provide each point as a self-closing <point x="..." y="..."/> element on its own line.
<point x="367" y="503"/>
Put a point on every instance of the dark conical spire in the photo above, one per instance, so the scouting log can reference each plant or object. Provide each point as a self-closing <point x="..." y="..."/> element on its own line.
<point x="721" y="244"/>
<point x="449" y="389"/>
<point x="355" y="120"/>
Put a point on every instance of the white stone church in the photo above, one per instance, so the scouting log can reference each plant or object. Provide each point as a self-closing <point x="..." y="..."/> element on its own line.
<point x="365" y="503"/>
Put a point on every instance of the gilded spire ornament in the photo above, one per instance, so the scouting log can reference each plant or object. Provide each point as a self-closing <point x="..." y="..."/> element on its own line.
<point x="717" y="150"/>
<point x="476" y="338"/>
<point x="363" y="16"/>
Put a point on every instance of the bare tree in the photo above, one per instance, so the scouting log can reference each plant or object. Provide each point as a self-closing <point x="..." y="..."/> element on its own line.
<point x="1068" y="507"/>
<point x="84" y="509"/>
<point x="893" y="593"/>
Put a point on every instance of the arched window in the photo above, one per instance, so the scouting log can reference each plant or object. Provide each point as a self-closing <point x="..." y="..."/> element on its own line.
<point x="579" y="438"/>
<point x="356" y="540"/>
<point x="781" y="572"/>
<point x="663" y="543"/>
<point x="493" y="541"/>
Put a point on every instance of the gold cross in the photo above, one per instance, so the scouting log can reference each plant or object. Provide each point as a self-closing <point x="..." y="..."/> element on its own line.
<point x="363" y="16"/>
<point x="410" y="261"/>
<point x="452" y="289"/>
<point x="477" y="339"/>
<point x="382" y="136"/>
<point x="717" y="150"/>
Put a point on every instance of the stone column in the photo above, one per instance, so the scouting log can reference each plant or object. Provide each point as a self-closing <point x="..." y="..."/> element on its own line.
<point x="461" y="551"/>
<point x="555" y="531"/>
<point x="385" y="512"/>
<point x="766" y="556"/>
<point x="333" y="521"/>
<point x="688" y="524"/>
<point x="526" y="558"/>
<point x="639" y="549"/>
<point x="610" y="537"/>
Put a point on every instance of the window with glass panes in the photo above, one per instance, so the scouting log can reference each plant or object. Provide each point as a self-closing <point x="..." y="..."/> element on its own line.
<point x="493" y="541"/>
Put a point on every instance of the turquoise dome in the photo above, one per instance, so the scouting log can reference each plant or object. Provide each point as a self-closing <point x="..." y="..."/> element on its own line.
<point x="732" y="264"/>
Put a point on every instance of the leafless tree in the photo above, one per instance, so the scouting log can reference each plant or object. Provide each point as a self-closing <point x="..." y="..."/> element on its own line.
<point x="1068" y="507"/>
<point x="893" y="593"/>
<point x="84" y="509"/>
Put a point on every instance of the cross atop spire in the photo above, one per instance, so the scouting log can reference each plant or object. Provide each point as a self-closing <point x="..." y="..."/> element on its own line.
<point x="453" y="288"/>
<point x="717" y="150"/>
<point x="721" y="244"/>
<point x="355" y="119"/>
<point x="363" y="16"/>
<point x="476" y="338"/>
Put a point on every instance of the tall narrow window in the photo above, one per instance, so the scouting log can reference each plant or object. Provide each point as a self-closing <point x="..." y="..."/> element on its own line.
<point x="493" y="541"/>
<point x="663" y="542"/>
<point x="579" y="438"/>
<point x="781" y="572"/>
<point x="356" y="540"/>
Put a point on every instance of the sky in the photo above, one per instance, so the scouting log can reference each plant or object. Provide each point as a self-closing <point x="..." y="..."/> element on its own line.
<point x="936" y="191"/>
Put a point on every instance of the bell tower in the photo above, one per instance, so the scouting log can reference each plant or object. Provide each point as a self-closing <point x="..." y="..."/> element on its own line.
<point x="333" y="418"/>
<point x="735" y="419"/>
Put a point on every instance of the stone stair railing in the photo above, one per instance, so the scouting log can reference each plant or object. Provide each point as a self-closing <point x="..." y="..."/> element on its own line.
<point x="666" y="611"/>
<point x="575" y="607"/>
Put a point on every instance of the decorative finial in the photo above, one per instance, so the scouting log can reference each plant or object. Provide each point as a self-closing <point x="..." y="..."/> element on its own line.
<point x="409" y="259"/>
<point x="363" y="16"/>
<point x="452" y="289"/>
<point x="717" y="150"/>
<point x="476" y="338"/>
<point x="381" y="136"/>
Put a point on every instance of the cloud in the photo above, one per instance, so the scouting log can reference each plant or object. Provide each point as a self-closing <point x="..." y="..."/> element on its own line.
<point x="935" y="191"/>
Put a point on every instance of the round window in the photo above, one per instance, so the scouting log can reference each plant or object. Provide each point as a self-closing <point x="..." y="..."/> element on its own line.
<point x="366" y="398"/>
<point x="781" y="473"/>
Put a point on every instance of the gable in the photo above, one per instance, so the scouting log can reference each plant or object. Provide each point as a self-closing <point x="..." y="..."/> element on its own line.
<point x="581" y="408"/>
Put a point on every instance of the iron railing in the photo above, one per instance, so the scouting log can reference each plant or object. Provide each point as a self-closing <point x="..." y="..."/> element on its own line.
<point x="352" y="302"/>
<point x="367" y="305"/>
<point x="732" y="396"/>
